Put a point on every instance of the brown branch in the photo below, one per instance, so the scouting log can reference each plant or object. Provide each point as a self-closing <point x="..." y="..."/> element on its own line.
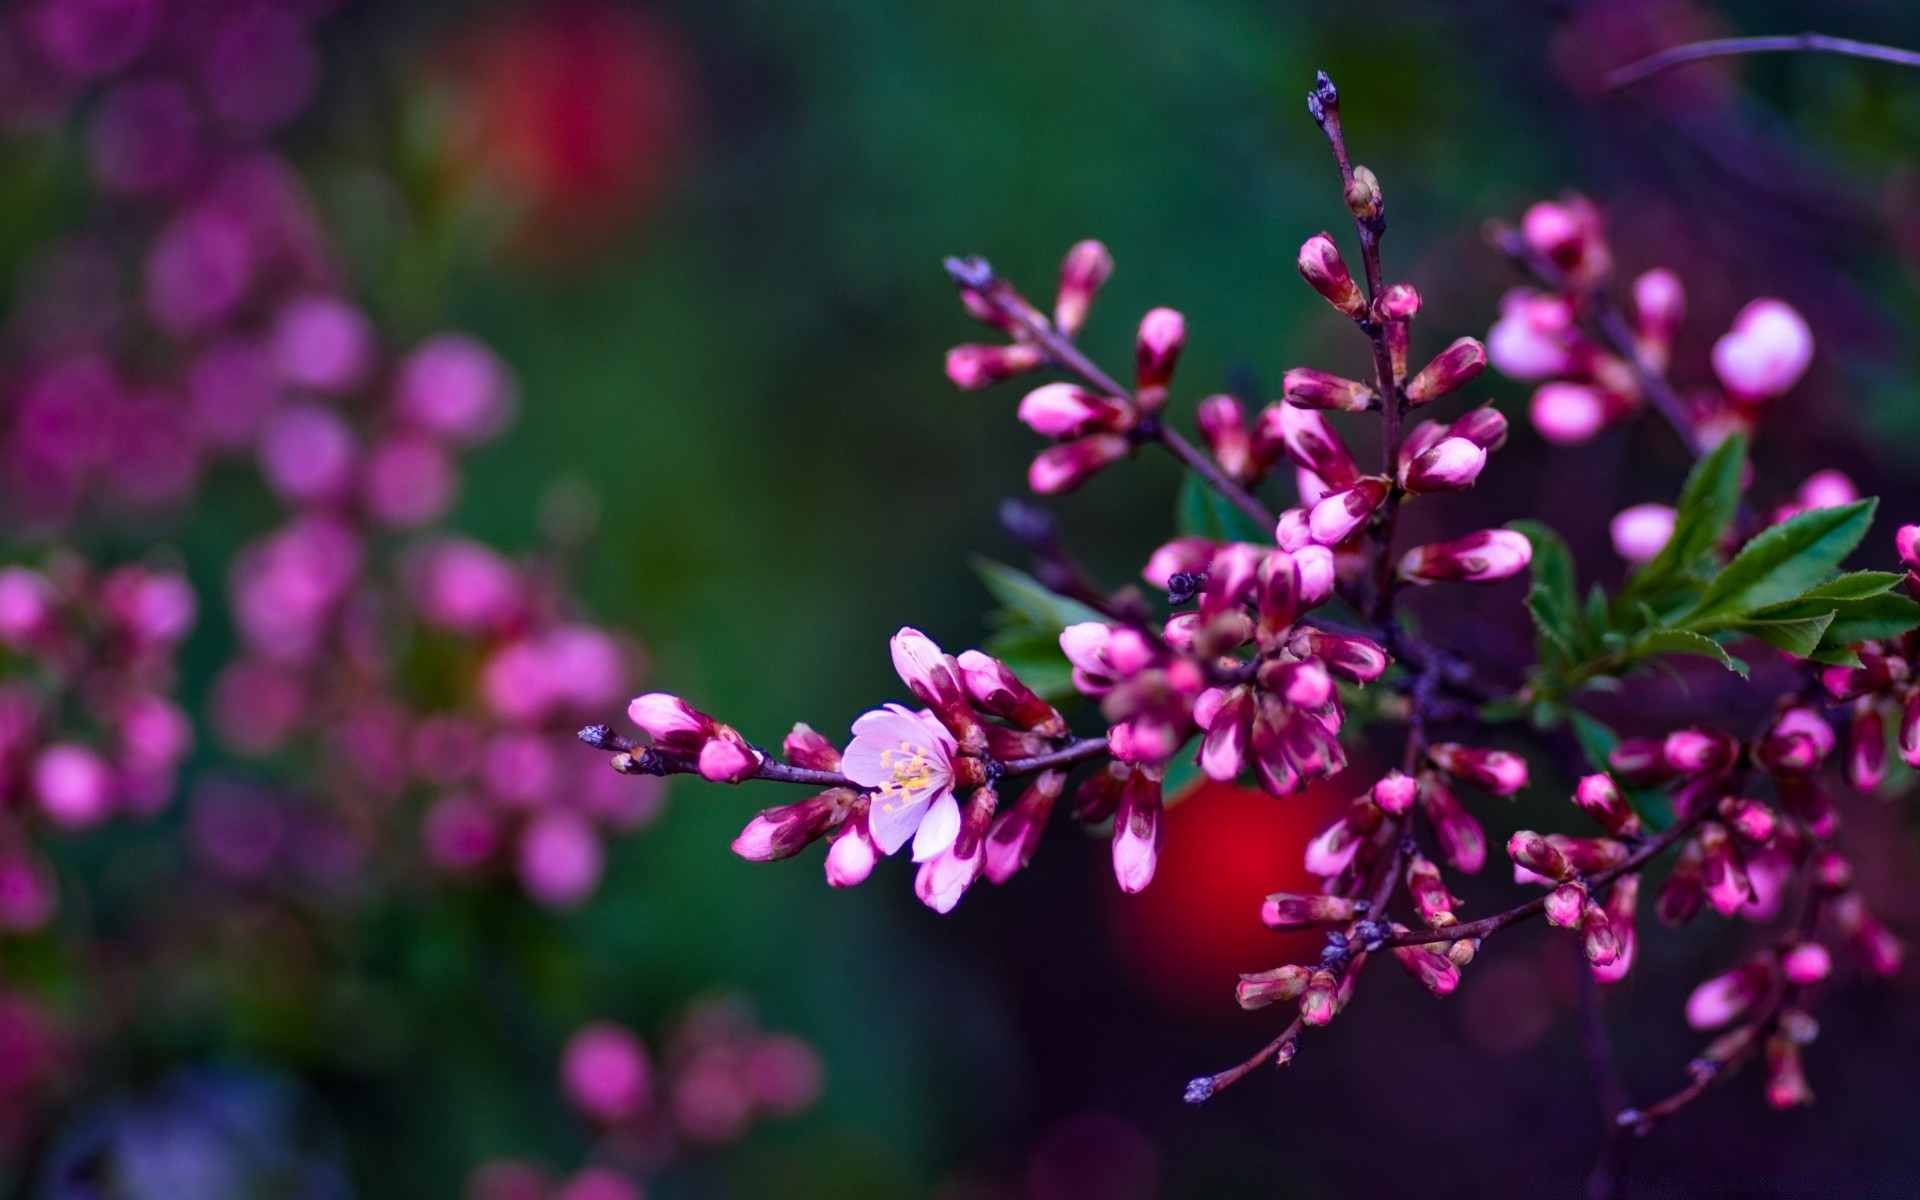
<point x="1798" y="43"/>
<point x="653" y="760"/>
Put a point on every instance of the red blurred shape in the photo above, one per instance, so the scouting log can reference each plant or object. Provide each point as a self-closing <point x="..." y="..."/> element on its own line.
<point x="577" y="109"/>
<point x="1197" y="926"/>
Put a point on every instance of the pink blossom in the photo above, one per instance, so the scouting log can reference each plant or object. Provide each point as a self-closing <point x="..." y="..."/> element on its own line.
<point x="1567" y="414"/>
<point x="322" y="344"/>
<point x="1659" y="303"/>
<point x="463" y="585"/>
<point x="1085" y="645"/>
<point x="1724" y="997"/>
<point x="973" y="367"/>
<point x="1639" y="533"/>
<point x="1765" y="352"/>
<point x="308" y="453"/>
<point x="1083" y="272"/>
<point x="908" y="762"/>
<point x="1061" y="410"/>
<point x="853" y="855"/>
<point x="946" y="876"/>
<point x="72" y="786"/>
<point x="453" y="386"/>
<point x="1532" y="339"/>
<point x="559" y="859"/>
<point x="1163" y="333"/>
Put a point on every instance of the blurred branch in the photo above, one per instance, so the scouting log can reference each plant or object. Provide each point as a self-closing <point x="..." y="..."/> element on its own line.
<point x="1803" y="43"/>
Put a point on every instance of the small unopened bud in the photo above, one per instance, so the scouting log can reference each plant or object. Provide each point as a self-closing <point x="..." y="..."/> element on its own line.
<point x="1723" y="872"/>
<point x="1600" y="799"/>
<point x="1223" y="426"/>
<point x="1428" y="892"/>
<point x="1394" y="793"/>
<point x="1138" y="830"/>
<point x="1659" y="303"/>
<point x="1750" y="820"/>
<point x="1163" y="334"/>
<point x="804" y="747"/>
<point x="1568" y="414"/>
<point x="1532" y="851"/>
<point x="785" y="831"/>
<point x="1310" y="388"/>
<point x="1766" y="351"/>
<point x="1879" y="951"/>
<point x="1354" y="659"/>
<point x="1621" y="903"/>
<point x="1065" y="467"/>
<point x="1324" y="270"/>
<point x="1340" y="516"/>
<point x="1498" y="771"/>
<point x="1363" y="194"/>
<point x="1451" y="370"/>
<point x="1786" y="1082"/>
<point x="1485" y="557"/>
<point x="1596" y="936"/>
<point x="1270" y="987"/>
<point x="1320" y="1001"/>
<point x="1807" y="963"/>
<point x="1461" y="953"/>
<point x="1437" y="972"/>
<point x="1451" y="465"/>
<point x="973" y="367"/>
<point x="1642" y="531"/>
<point x="1083" y="273"/>
<point x="1724" y="997"/>
<point x="1462" y="842"/>
<point x="1699" y="751"/>
<point x="1398" y="304"/>
<point x="992" y="685"/>
<point x="1588" y="855"/>
<point x="1832" y="873"/>
<point x="1866" y="748"/>
<point x="1640" y="761"/>
<point x="1061" y="410"/>
<point x="1311" y="443"/>
<point x="853" y="854"/>
<point x="1565" y="904"/>
<point x="1290" y="911"/>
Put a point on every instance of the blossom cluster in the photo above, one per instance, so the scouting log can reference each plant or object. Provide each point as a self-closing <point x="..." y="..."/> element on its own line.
<point x="1275" y="620"/>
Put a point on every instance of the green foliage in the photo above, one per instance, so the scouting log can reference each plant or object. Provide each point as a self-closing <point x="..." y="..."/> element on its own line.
<point x="1202" y="512"/>
<point x="1780" y="588"/>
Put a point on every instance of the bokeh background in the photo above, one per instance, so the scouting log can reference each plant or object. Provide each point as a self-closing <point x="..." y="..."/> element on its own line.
<point x="706" y="239"/>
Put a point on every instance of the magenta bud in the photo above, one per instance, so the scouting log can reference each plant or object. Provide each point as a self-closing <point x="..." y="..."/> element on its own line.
<point x="853" y="854"/>
<point x="933" y="676"/>
<point x="1807" y="963"/>
<point x="1436" y="971"/>
<point x="1659" y="303"/>
<point x="1333" y="851"/>
<point x="1288" y="911"/>
<point x="1399" y="303"/>
<point x="1354" y="659"/>
<point x="1565" y="904"/>
<point x="1831" y="872"/>
<point x="1163" y="333"/>
<point x="1311" y="443"/>
<point x="1428" y="891"/>
<point x="993" y="686"/>
<point x="1320" y="1001"/>
<point x="1485" y="557"/>
<point x="1723" y="872"/>
<point x="1600" y="799"/>
<point x="972" y="367"/>
<point x="1340" y="516"/>
<point x="1588" y="855"/>
<point x="1532" y="851"/>
<point x="1498" y="771"/>
<point x="1699" y="751"/>
<point x="1462" y="842"/>
<point x="1326" y="272"/>
<point x="1724" y="997"/>
<point x="1567" y="233"/>
<point x="1138" y="830"/>
<point x="1878" y="950"/>
<point x="1641" y="532"/>
<point x="1223" y="752"/>
<point x="1268" y="987"/>
<point x="1568" y="414"/>
<point x="1451" y="370"/>
<point x="1181" y="556"/>
<point x="1308" y="388"/>
<point x="1906" y="541"/>
<point x="1450" y="465"/>
<point x="1910" y="729"/>
<point x="1866" y="748"/>
<point x="1750" y="820"/>
<point x="1065" y="467"/>
<point x="1485" y="427"/>
<point x="1016" y="832"/>
<point x="1394" y="792"/>
<point x="726" y="757"/>
<point x="1061" y="410"/>
<point x="1786" y="1082"/>
<point x="1798" y="742"/>
<point x="806" y="748"/>
<point x="1223" y="426"/>
<point x="1083" y="272"/>
<point x="1597" y="938"/>
<point x="787" y="830"/>
<point x="1766" y="351"/>
<point x="1640" y="761"/>
<point x="1621" y="902"/>
<point x="1098" y="796"/>
<point x="670" y="721"/>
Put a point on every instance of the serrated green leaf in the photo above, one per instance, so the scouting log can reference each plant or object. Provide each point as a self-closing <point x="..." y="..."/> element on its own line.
<point x="1854" y="585"/>
<point x="1202" y="512"/>
<point x="1027" y="598"/>
<point x="1783" y="562"/>
<point x="1864" y="619"/>
<point x="1551" y="599"/>
<point x="1681" y="641"/>
<point x="1798" y="637"/>
<point x="1706" y="509"/>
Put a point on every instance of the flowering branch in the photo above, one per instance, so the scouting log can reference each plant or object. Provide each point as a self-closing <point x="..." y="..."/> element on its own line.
<point x="1804" y="43"/>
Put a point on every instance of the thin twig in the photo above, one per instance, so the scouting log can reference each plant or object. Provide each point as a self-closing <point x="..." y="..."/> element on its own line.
<point x="1801" y="43"/>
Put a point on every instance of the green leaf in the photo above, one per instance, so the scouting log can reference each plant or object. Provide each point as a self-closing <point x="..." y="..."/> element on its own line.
<point x="1862" y="619"/>
<point x="1855" y="585"/>
<point x="1026" y="597"/>
<point x="1552" y="599"/>
<point x="1784" y="562"/>
<point x="1203" y="512"/>
<point x="1798" y="637"/>
<point x="1706" y="509"/>
<point x="1681" y="641"/>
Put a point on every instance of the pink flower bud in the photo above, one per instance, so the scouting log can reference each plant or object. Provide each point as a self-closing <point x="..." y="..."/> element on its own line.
<point x="1659" y="303"/>
<point x="1532" y="851"/>
<point x="1138" y="830"/>
<point x="934" y="677"/>
<point x="1292" y="530"/>
<point x="1798" y="742"/>
<point x="669" y="720"/>
<point x="853" y="854"/>
<point x="1600" y="799"/>
<point x="1640" y="761"/>
<point x="1354" y="659"/>
<point x="322" y="344"/>
<point x="1324" y="270"/>
<point x="974" y="366"/>
<point x="1498" y="771"/>
<point x="1308" y="388"/>
<point x="725" y="757"/>
<point x="1451" y="370"/>
<point x="804" y="747"/>
<point x="1699" y="751"/>
<point x="1223" y="752"/>
<point x="454" y="387"/>
<point x="1083" y="272"/>
<point x="993" y="686"/>
<point x="1621" y="902"/>
<point x="1597" y="940"/>
<point x="787" y="830"/>
<point x="1534" y="338"/>
<point x="1485" y="427"/>
<point x="1398" y="303"/>
<point x="1268" y="987"/>
<point x="1765" y="352"/>
<point x="1015" y="834"/>
<point x="1287" y="911"/>
<point x="1451" y="465"/>
<point x="1724" y="997"/>
<point x="1567" y="414"/>
<point x="1061" y="410"/>
<point x="1085" y="645"/>
<point x="1565" y="904"/>
<point x="1318" y="571"/>
<point x="1223" y="426"/>
<point x="1786" y="1082"/>
<point x="1428" y="891"/>
<point x="1065" y="467"/>
<point x="604" y="1073"/>
<point x="1394" y="792"/>
<point x="1485" y="557"/>
<point x="1340" y="516"/>
<point x="1435" y="971"/>
<point x="1333" y="850"/>
<point x="1723" y="872"/>
<point x="1866" y="748"/>
<point x="1320" y="1001"/>
<point x="1163" y="333"/>
<point x="1909" y="731"/>
<point x="1589" y="855"/>
<point x="1641" y="532"/>
<point x="1878" y="950"/>
<point x="26" y="605"/>
<point x="1906" y="541"/>
<point x="1187" y="555"/>
<point x="1807" y="963"/>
